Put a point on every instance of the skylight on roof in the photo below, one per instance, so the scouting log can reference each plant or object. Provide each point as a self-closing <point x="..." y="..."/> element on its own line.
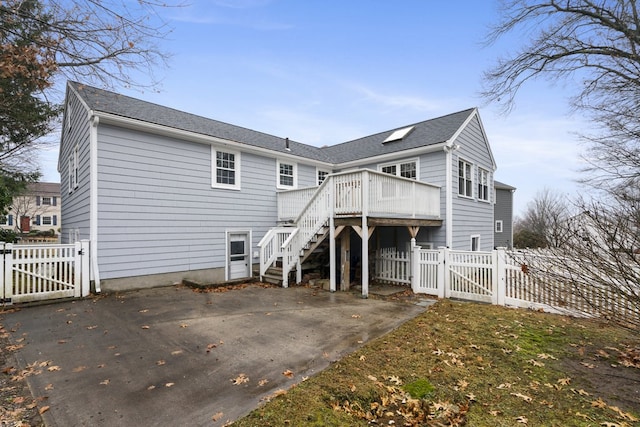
<point x="398" y="134"/>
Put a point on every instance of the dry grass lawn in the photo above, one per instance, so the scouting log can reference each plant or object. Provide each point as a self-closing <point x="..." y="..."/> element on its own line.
<point x="477" y="365"/>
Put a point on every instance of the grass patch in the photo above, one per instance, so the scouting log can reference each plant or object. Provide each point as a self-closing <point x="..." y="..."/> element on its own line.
<point x="473" y="364"/>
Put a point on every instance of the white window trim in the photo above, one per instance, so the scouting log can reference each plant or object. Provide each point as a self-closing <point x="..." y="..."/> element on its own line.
<point x="72" y="172"/>
<point x="499" y="226"/>
<point x="75" y="167"/>
<point x="475" y="236"/>
<point x="214" y="168"/>
<point x="480" y="171"/>
<point x="295" y="175"/>
<point x="473" y="181"/>
<point x="318" y="170"/>
<point x="397" y="164"/>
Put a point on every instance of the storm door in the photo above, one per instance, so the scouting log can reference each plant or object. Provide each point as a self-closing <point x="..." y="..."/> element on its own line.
<point x="239" y="265"/>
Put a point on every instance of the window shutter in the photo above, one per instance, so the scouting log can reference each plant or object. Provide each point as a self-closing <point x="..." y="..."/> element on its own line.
<point x="37" y="200"/>
<point x="10" y="219"/>
<point x="37" y="219"/>
<point x="55" y="220"/>
<point x="55" y="201"/>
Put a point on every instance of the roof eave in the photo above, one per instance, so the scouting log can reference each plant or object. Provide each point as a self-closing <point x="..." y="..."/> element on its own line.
<point x="141" y="125"/>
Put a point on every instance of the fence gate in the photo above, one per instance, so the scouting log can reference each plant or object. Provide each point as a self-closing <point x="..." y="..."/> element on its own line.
<point x="41" y="272"/>
<point x="470" y="276"/>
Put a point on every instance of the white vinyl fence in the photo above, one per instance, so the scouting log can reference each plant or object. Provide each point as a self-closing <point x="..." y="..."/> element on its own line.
<point x="498" y="277"/>
<point x="41" y="272"/>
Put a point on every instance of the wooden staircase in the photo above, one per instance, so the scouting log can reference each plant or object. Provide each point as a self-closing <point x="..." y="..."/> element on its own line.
<point x="314" y="250"/>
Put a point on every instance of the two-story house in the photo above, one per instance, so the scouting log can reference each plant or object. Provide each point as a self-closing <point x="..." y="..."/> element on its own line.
<point x="37" y="209"/>
<point x="165" y="195"/>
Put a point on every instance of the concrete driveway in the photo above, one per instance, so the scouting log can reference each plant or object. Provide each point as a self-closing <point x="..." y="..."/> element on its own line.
<point x="169" y="356"/>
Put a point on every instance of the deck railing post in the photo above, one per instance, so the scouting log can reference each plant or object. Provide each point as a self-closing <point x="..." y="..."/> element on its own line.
<point x="364" y="265"/>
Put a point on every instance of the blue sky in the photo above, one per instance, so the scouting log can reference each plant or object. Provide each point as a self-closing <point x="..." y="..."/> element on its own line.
<point x="325" y="72"/>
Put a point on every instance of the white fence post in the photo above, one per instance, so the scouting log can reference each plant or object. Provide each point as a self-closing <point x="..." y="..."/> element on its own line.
<point x="77" y="270"/>
<point x="8" y="271"/>
<point x="498" y="277"/>
<point x="415" y="265"/>
<point x="500" y="262"/>
<point x="84" y="268"/>
<point x="443" y="272"/>
<point x="4" y="282"/>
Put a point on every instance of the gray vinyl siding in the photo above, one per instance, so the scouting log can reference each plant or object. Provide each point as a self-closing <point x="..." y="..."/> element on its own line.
<point x="75" y="205"/>
<point x="433" y="169"/>
<point x="158" y="212"/>
<point x="470" y="215"/>
<point x="503" y="210"/>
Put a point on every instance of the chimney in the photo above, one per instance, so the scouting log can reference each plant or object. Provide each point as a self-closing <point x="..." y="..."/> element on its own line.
<point x="286" y="144"/>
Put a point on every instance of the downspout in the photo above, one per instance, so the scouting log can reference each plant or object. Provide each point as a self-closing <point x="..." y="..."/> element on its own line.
<point x="449" y="149"/>
<point x="93" y="200"/>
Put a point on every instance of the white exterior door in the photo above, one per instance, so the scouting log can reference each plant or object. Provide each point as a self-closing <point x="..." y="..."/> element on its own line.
<point x="238" y="251"/>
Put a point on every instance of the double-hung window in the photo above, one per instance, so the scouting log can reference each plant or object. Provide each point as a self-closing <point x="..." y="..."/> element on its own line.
<point x="322" y="175"/>
<point x="405" y="169"/>
<point x="72" y="172"/>
<point x="483" y="185"/>
<point x="465" y="179"/>
<point x="286" y="175"/>
<point x="226" y="169"/>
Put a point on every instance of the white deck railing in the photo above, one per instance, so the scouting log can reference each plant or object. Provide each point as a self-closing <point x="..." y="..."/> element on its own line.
<point x="386" y="195"/>
<point x="357" y="193"/>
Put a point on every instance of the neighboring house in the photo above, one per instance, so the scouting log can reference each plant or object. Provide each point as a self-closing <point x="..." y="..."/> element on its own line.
<point x="38" y="209"/>
<point x="503" y="215"/>
<point x="165" y="195"/>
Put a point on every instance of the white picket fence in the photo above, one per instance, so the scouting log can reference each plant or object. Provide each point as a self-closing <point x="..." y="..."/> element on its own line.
<point x="498" y="277"/>
<point x="42" y="272"/>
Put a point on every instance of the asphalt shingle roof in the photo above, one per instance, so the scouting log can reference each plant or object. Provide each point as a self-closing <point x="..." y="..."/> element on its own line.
<point x="425" y="133"/>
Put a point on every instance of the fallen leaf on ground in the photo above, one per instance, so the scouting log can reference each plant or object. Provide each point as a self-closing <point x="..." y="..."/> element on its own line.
<point x="599" y="403"/>
<point x="48" y="387"/>
<point x="53" y="368"/>
<point x="79" y="369"/>
<point x="105" y="382"/>
<point x="169" y="384"/>
<point x="274" y="395"/>
<point x="240" y="379"/>
<point x="160" y="362"/>
<point x="43" y="410"/>
<point x="262" y="382"/>
<point x="288" y="373"/>
<point x="217" y="416"/>
<point x="145" y="327"/>
<point x="523" y="397"/>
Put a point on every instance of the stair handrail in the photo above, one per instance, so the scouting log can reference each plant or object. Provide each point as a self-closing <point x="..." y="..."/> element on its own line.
<point x="270" y="248"/>
<point x="311" y="219"/>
